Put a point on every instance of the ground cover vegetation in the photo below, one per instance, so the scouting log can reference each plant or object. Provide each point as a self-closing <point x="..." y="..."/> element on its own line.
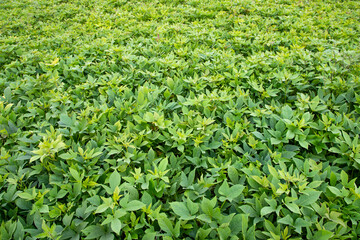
<point x="184" y="119"/>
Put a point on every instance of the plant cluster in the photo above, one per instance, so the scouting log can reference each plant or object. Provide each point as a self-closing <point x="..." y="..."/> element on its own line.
<point x="184" y="119"/>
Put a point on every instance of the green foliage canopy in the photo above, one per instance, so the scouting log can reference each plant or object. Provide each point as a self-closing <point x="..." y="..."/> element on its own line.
<point x="185" y="119"/>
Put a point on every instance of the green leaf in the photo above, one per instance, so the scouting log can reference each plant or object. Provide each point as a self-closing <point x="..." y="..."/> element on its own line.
<point x="333" y="179"/>
<point x="149" y="117"/>
<point x="19" y="233"/>
<point x="163" y="165"/>
<point x="293" y="207"/>
<point x="275" y="141"/>
<point x="235" y="224"/>
<point x="56" y="212"/>
<point x="181" y="210"/>
<point x="166" y="225"/>
<point x="7" y="94"/>
<point x="26" y="196"/>
<point x="244" y="223"/>
<point x="259" y="135"/>
<point x="102" y="208"/>
<point x="309" y="198"/>
<point x="248" y="210"/>
<point x="149" y="236"/>
<point x="269" y="226"/>
<point x="65" y="120"/>
<point x="193" y="207"/>
<point x="93" y="232"/>
<point x="335" y="191"/>
<point x="287" y="220"/>
<point x="134" y="205"/>
<point x="267" y="210"/>
<point x="224" y="188"/>
<point x="75" y="174"/>
<point x="204" y="218"/>
<point x="347" y="138"/>
<point x="236" y="191"/>
<point x="215" y="145"/>
<point x="233" y="174"/>
<point x="323" y="235"/>
<point x="203" y="233"/>
<point x="67" y="219"/>
<point x="287" y="112"/>
<point x="208" y="206"/>
<point x="224" y="232"/>
<point x="141" y="100"/>
<point x="66" y="156"/>
<point x="344" y="178"/>
<point x="300" y="223"/>
<point x="116" y="225"/>
<point x="230" y="193"/>
<point x="315" y="184"/>
<point x="114" y="180"/>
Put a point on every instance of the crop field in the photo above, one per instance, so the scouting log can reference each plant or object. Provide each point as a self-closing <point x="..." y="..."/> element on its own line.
<point x="183" y="119"/>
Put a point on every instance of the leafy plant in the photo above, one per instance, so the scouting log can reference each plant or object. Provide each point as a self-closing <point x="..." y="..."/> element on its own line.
<point x="180" y="119"/>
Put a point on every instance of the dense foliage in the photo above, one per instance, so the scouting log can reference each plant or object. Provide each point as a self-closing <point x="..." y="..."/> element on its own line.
<point x="184" y="119"/>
